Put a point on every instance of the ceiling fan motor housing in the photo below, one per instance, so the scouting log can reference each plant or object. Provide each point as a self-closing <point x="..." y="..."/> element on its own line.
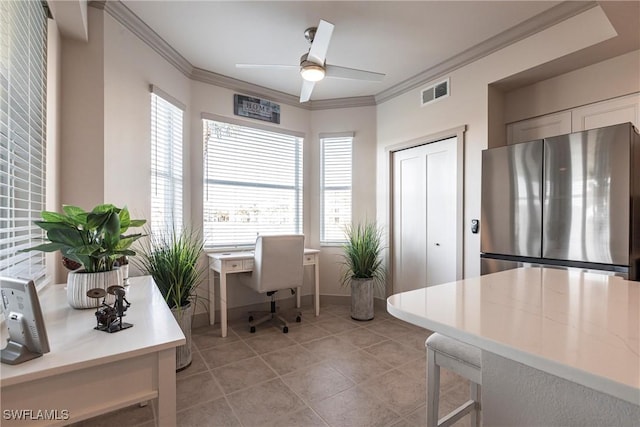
<point x="310" y="34"/>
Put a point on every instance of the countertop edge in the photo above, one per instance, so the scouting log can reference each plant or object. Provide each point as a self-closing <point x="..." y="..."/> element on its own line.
<point x="569" y="373"/>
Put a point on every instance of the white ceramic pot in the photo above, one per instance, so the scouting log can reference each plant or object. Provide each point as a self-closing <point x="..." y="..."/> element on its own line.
<point x="125" y="274"/>
<point x="79" y="282"/>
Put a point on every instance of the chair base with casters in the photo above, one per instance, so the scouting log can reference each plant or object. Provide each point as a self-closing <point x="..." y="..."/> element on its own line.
<point x="277" y="265"/>
<point x="259" y="317"/>
<point x="464" y="360"/>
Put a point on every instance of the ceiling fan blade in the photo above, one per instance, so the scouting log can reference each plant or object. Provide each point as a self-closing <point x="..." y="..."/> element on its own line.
<point x="320" y="45"/>
<point x="263" y="66"/>
<point x="307" y="88"/>
<point x="351" y="73"/>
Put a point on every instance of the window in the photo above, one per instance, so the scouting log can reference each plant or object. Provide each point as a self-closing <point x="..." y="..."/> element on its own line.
<point x="335" y="186"/>
<point x="252" y="183"/>
<point x="23" y="65"/>
<point x="166" y="163"/>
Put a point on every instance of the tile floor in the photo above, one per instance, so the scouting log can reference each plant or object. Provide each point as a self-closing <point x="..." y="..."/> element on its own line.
<point x="328" y="370"/>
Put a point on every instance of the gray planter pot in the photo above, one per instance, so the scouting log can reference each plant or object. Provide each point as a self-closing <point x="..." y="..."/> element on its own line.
<point x="362" y="299"/>
<point x="183" y="316"/>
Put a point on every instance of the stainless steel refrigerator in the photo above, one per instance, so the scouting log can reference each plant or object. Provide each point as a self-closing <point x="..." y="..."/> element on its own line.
<point x="571" y="201"/>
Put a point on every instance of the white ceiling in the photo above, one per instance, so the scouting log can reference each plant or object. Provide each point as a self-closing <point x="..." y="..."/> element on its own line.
<point x="406" y="40"/>
<point x="400" y="39"/>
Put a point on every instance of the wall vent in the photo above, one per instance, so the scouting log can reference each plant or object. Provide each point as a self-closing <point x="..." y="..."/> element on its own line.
<point x="434" y="92"/>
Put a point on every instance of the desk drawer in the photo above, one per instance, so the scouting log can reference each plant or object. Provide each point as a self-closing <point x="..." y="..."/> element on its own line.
<point x="233" y="265"/>
<point x="309" y="259"/>
<point x="247" y="264"/>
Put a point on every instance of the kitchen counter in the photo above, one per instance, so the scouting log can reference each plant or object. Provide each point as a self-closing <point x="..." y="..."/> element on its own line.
<point x="581" y="327"/>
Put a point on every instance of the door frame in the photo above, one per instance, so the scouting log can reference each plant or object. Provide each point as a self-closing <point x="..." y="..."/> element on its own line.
<point x="457" y="132"/>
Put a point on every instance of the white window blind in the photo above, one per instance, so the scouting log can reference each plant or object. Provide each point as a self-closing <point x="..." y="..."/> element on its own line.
<point x="335" y="187"/>
<point x="252" y="184"/>
<point x="23" y="65"/>
<point x="166" y="165"/>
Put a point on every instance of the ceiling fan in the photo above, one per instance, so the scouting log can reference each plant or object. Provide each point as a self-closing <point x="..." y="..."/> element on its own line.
<point x="313" y="67"/>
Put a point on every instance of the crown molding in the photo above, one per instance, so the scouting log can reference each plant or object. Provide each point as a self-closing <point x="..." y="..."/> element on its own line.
<point x="137" y="26"/>
<point x="205" y="76"/>
<point x="356" y="101"/>
<point x="542" y="21"/>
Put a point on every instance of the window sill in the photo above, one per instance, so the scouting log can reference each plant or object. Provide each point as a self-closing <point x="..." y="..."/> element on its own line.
<point x="332" y="244"/>
<point x="229" y="249"/>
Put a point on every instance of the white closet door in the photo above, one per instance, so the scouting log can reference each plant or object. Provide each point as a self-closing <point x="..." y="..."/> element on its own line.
<point x="424" y="215"/>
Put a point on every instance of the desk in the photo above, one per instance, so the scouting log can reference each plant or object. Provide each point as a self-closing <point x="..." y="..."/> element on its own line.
<point x="225" y="263"/>
<point x="580" y="327"/>
<point x="89" y="372"/>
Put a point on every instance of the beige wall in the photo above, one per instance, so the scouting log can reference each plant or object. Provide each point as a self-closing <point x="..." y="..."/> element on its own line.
<point x="105" y="128"/>
<point x="107" y="81"/>
<point x="130" y="67"/>
<point x="82" y="117"/>
<point x="402" y="119"/>
<point x="607" y="79"/>
<point x="361" y="121"/>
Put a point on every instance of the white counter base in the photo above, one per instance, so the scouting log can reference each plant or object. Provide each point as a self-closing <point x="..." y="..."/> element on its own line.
<point x="514" y="394"/>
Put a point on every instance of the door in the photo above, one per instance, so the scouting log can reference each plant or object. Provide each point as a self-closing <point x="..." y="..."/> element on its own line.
<point x="511" y="215"/>
<point x="424" y="215"/>
<point x="587" y="193"/>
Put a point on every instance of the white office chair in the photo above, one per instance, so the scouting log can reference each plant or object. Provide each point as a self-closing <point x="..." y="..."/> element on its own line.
<point x="277" y="264"/>
<point x="464" y="360"/>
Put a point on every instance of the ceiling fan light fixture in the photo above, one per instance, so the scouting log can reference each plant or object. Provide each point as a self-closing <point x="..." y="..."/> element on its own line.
<point x="312" y="72"/>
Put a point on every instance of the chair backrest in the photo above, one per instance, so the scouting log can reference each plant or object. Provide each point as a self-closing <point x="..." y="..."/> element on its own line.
<point x="277" y="263"/>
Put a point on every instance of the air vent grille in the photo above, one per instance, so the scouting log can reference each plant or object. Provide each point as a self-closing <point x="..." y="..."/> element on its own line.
<point x="434" y="92"/>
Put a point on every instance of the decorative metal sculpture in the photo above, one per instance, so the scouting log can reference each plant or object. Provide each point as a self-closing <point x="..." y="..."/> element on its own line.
<point x="109" y="318"/>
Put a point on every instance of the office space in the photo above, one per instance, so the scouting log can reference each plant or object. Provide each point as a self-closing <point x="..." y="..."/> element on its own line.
<point x="104" y="86"/>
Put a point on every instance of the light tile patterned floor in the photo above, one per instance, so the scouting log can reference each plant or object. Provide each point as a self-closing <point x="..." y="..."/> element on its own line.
<point x="327" y="371"/>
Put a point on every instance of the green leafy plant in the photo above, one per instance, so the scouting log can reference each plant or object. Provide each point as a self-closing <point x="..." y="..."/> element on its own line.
<point x="362" y="254"/>
<point x="94" y="239"/>
<point x="171" y="258"/>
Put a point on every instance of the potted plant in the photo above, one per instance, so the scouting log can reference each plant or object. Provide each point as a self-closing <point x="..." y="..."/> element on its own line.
<point x="171" y="259"/>
<point x="362" y="267"/>
<point x="94" y="240"/>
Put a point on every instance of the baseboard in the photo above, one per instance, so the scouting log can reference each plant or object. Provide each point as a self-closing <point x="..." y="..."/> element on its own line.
<point x="306" y="301"/>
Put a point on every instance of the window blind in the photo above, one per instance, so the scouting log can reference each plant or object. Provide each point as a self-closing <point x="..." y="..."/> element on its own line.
<point x="335" y="187"/>
<point x="23" y="65"/>
<point x="252" y="184"/>
<point x="166" y="165"/>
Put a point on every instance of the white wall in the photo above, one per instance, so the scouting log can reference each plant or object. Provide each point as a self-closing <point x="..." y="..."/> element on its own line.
<point x="607" y="79"/>
<point x="82" y="118"/>
<point x="402" y="119"/>
<point x="361" y="121"/>
<point x="106" y="110"/>
<point x="130" y="67"/>
<point x="105" y="127"/>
